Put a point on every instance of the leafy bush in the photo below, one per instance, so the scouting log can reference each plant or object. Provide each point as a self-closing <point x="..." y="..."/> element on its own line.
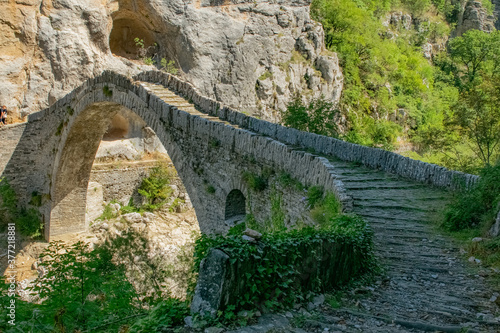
<point x="319" y="116"/>
<point x="166" y="314"/>
<point x="28" y="223"/>
<point x="27" y="220"/>
<point x="477" y="205"/>
<point x="326" y="209"/>
<point x="83" y="290"/>
<point x="155" y="187"/>
<point x="169" y="66"/>
<point x="255" y="182"/>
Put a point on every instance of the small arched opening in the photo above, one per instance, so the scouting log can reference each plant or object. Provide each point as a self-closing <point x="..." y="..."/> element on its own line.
<point x="235" y="207"/>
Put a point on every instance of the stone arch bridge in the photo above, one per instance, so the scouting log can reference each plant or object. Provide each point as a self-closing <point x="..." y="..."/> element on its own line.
<point x="210" y="145"/>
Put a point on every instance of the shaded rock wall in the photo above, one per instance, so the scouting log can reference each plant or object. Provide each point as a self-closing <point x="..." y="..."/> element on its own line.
<point x="473" y="16"/>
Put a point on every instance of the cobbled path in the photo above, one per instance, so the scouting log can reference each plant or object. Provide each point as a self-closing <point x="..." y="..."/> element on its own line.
<point x="427" y="284"/>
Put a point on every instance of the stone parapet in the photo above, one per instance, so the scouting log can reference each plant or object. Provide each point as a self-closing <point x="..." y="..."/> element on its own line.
<point x="371" y="157"/>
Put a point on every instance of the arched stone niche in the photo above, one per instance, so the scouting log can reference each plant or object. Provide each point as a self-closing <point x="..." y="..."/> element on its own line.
<point x="235" y="210"/>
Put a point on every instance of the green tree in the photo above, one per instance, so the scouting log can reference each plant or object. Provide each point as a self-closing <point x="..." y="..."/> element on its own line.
<point x="82" y="288"/>
<point x="319" y="116"/>
<point x="155" y="187"/>
<point x="478" y="116"/>
<point x="475" y="53"/>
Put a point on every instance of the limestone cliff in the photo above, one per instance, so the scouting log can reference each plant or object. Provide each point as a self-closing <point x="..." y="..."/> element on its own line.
<point x="473" y="15"/>
<point x="252" y="55"/>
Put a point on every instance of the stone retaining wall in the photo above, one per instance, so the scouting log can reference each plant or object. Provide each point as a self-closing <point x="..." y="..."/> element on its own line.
<point x="370" y="157"/>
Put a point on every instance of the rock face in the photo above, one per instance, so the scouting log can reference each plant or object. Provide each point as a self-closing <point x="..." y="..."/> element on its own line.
<point x="474" y="16"/>
<point x="496" y="13"/>
<point x="252" y="55"/>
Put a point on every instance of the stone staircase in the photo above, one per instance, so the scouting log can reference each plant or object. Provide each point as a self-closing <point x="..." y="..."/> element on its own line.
<point x="427" y="285"/>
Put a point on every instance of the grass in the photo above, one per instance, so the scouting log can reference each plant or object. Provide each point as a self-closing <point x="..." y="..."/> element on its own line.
<point x="257" y="183"/>
<point x="266" y="75"/>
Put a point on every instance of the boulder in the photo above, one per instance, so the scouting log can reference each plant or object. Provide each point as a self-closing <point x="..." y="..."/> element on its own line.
<point x="209" y="291"/>
<point x="252" y="233"/>
<point x="133" y="217"/>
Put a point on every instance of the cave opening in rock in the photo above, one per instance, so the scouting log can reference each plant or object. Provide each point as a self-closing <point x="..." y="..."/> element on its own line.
<point x="122" y="39"/>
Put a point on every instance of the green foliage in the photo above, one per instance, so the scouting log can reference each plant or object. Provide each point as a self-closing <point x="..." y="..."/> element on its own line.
<point x="81" y="290"/>
<point x="210" y="188"/>
<point x="8" y="203"/>
<point x="257" y="183"/>
<point x="164" y="315"/>
<point x="169" y="66"/>
<point x="317" y="117"/>
<point x="108" y="214"/>
<point x="478" y="205"/>
<point x="27" y="220"/>
<point x="107" y="92"/>
<point x="475" y="53"/>
<point x="214" y="143"/>
<point x="277" y="221"/>
<point x="139" y="42"/>
<point x="447" y="108"/>
<point x="148" y="61"/>
<point x="59" y="129"/>
<point x="315" y="195"/>
<point x="326" y="209"/>
<point x="237" y="230"/>
<point x="286" y="180"/>
<point x="273" y="273"/>
<point x="266" y="75"/>
<point x="478" y="119"/>
<point x="155" y="187"/>
<point x="28" y="223"/>
<point x="36" y="199"/>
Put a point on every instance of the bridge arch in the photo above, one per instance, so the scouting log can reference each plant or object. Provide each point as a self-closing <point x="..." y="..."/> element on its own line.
<point x="73" y="163"/>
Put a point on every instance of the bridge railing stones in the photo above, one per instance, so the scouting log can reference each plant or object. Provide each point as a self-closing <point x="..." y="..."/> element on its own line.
<point x="371" y="157"/>
<point x="305" y="167"/>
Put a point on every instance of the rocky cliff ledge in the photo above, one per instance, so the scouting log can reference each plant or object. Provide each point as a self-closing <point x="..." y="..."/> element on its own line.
<point x="251" y="55"/>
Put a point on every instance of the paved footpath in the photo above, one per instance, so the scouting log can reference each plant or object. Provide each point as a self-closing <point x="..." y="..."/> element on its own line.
<point x="427" y="285"/>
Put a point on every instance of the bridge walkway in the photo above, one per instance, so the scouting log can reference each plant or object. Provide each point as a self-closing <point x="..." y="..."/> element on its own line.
<point x="427" y="285"/>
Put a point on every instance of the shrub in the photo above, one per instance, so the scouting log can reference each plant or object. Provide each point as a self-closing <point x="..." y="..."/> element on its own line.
<point x="477" y="205"/>
<point x="107" y="92"/>
<point x="317" y="117"/>
<point x="164" y="315"/>
<point x="169" y="66"/>
<point x="155" y="187"/>
<point x="327" y="209"/>
<point x="27" y="220"/>
<point x="255" y="182"/>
